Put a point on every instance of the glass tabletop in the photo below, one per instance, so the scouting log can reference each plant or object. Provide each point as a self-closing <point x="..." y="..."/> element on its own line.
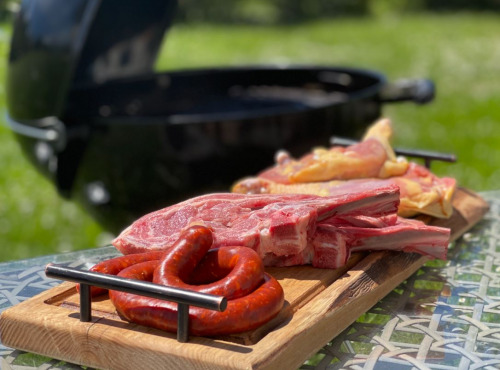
<point x="445" y="316"/>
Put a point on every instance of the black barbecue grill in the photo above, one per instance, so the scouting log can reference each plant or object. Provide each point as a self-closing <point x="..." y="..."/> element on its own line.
<point x="92" y="115"/>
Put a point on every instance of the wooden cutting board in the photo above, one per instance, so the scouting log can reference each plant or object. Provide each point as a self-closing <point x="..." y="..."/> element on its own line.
<point x="319" y="305"/>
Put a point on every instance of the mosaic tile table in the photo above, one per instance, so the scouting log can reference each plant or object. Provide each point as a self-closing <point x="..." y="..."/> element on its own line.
<point x="445" y="316"/>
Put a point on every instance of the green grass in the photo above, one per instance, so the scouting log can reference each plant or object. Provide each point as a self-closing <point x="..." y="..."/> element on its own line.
<point x="460" y="53"/>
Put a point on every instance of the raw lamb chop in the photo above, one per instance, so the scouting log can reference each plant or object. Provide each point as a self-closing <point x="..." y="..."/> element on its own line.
<point x="288" y="230"/>
<point x="334" y="245"/>
<point x="331" y="246"/>
<point x="269" y="223"/>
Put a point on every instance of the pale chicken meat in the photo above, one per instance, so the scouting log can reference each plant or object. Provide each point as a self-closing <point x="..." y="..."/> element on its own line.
<point x="421" y="192"/>
<point x="372" y="157"/>
<point x="333" y="171"/>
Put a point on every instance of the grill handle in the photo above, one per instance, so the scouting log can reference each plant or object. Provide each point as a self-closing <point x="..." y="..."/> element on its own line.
<point x="419" y="91"/>
<point x="47" y="129"/>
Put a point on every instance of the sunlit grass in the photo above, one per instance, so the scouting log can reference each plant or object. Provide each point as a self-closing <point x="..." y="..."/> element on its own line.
<point x="460" y="53"/>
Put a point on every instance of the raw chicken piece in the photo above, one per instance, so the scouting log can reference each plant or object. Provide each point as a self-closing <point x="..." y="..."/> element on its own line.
<point x="421" y="192"/>
<point x="372" y="157"/>
<point x="370" y="162"/>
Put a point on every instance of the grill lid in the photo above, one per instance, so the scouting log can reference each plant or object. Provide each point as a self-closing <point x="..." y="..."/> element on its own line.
<point x="60" y="44"/>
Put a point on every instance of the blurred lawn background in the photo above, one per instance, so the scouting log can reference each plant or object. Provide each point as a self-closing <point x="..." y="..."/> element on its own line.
<point x="458" y="49"/>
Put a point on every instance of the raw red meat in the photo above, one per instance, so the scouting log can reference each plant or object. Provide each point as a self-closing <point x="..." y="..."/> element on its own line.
<point x="292" y="229"/>
<point x="331" y="246"/>
<point x="373" y="157"/>
<point x="277" y="223"/>
<point x="407" y="235"/>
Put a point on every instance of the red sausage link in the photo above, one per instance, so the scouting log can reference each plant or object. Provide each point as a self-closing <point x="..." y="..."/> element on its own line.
<point x="188" y="251"/>
<point x="242" y="314"/>
<point x="114" y="265"/>
<point x="195" y="236"/>
<point x="254" y="297"/>
<point x="246" y="271"/>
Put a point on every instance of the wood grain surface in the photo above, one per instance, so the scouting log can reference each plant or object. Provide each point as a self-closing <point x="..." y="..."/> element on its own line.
<point x="319" y="305"/>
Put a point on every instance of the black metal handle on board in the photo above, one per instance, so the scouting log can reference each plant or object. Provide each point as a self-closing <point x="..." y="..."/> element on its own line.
<point x="183" y="297"/>
<point x="427" y="155"/>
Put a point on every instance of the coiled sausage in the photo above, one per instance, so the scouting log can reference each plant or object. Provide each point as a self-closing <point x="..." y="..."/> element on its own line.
<point x="114" y="265"/>
<point x="237" y="273"/>
<point x="242" y="314"/>
<point x="231" y="272"/>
